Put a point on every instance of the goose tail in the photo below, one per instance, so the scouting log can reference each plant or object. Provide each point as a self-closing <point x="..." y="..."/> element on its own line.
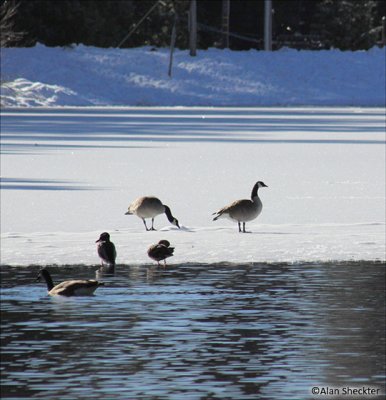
<point x="217" y="215"/>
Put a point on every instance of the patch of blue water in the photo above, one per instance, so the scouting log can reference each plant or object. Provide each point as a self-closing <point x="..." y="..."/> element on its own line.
<point x="267" y="331"/>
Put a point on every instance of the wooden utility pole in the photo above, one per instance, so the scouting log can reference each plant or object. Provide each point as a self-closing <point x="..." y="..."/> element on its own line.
<point x="226" y="7"/>
<point x="172" y="44"/>
<point x="268" y="25"/>
<point x="192" y="21"/>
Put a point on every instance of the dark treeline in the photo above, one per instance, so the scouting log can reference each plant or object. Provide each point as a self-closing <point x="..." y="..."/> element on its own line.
<point x="303" y="24"/>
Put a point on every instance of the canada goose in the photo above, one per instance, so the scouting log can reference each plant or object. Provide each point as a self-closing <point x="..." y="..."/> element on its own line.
<point x="150" y="207"/>
<point x="106" y="250"/>
<point x="69" y="288"/>
<point x="243" y="210"/>
<point x="160" y="251"/>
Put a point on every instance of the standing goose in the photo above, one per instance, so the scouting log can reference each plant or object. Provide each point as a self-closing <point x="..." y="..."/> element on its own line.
<point x="106" y="250"/>
<point x="150" y="207"/>
<point x="243" y="210"/>
<point x="160" y="251"/>
<point x="69" y="288"/>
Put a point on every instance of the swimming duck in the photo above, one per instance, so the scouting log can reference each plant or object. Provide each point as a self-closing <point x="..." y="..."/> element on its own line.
<point x="69" y="288"/>
<point x="106" y="250"/>
<point x="150" y="207"/>
<point x="160" y="251"/>
<point x="244" y="210"/>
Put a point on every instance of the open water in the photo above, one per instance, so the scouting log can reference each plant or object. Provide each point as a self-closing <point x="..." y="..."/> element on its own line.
<point x="218" y="331"/>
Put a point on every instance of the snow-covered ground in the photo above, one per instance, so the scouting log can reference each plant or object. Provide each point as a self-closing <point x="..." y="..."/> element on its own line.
<point x="69" y="174"/>
<point x="89" y="76"/>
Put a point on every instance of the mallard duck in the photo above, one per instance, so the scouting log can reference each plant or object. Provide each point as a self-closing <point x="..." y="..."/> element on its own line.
<point x="69" y="288"/>
<point x="160" y="251"/>
<point x="106" y="250"/>
<point x="244" y="210"/>
<point x="150" y="207"/>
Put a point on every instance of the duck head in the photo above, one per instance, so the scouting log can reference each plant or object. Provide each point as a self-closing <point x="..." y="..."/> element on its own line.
<point x="104" y="237"/>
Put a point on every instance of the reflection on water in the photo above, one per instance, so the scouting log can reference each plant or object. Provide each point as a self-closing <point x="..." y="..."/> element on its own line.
<point x="199" y="331"/>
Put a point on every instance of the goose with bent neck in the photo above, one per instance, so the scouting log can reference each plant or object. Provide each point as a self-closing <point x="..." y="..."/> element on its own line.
<point x="149" y="207"/>
<point x="244" y="210"/>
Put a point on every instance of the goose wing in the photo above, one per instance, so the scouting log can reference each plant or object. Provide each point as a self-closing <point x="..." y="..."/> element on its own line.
<point x="133" y="207"/>
<point x="75" y="287"/>
<point x="231" y="208"/>
<point x="145" y="202"/>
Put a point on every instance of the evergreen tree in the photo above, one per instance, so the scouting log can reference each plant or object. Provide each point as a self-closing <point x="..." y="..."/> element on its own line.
<point x="346" y="24"/>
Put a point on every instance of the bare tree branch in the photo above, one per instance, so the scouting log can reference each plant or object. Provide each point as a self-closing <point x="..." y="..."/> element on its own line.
<point x="8" y="35"/>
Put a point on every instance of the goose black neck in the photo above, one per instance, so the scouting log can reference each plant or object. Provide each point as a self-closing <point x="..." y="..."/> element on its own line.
<point x="254" y="191"/>
<point x="169" y="214"/>
<point x="46" y="275"/>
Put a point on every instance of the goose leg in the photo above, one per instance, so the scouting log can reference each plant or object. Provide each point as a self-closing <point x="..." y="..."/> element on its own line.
<point x="244" y="227"/>
<point x="239" y="226"/>
<point x="144" y="221"/>
<point x="152" y="225"/>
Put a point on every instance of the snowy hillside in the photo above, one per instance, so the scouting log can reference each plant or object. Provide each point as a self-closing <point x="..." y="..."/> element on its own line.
<point x="84" y="76"/>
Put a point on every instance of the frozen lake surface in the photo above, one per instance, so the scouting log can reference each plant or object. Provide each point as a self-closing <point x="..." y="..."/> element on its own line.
<point x="69" y="174"/>
<point x="220" y="331"/>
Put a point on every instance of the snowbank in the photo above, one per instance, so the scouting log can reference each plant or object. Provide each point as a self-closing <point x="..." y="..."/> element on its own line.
<point x="89" y="76"/>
